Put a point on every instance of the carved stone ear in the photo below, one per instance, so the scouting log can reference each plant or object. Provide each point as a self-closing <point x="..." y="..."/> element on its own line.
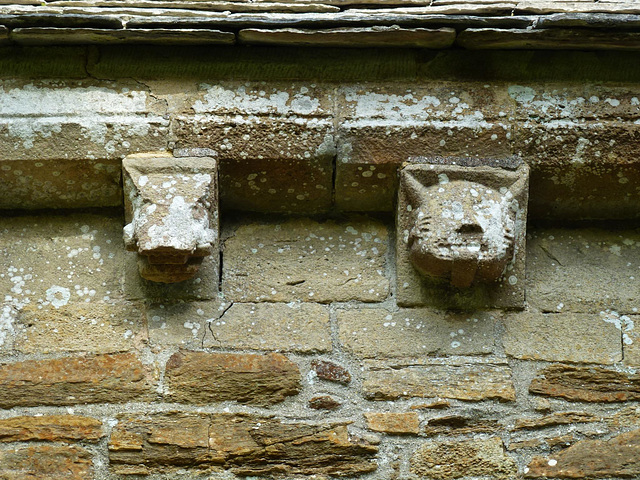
<point x="472" y="255"/>
<point x="171" y="210"/>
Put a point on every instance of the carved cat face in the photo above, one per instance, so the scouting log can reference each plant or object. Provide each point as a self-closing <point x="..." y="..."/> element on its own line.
<point x="463" y="231"/>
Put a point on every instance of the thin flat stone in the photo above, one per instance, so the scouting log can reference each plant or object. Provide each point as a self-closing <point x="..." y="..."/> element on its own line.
<point x="57" y="20"/>
<point x="352" y="37"/>
<point x="457" y="9"/>
<point x="589" y="20"/>
<point x="547" y="39"/>
<point x="553" y="6"/>
<point x="200" y="5"/>
<point x="327" y="20"/>
<point x="79" y="36"/>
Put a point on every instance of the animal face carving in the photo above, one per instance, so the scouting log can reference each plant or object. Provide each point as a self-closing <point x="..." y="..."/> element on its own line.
<point x="462" y="231"/>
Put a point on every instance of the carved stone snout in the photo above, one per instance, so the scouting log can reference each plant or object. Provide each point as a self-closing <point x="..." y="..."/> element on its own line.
<point x="462" y="231"/>
<point x="171" y="206"/>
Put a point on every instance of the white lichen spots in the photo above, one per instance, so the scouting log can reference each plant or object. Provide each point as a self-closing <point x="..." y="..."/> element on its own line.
<point x="247" y="100"/>
<point x="443" y="179"/>
<point x="8" y="315"/>
<point x="615" y="249"/>
<point x="613" y="102"/>
<point x="513" y="280"/>
<point x="552" y="462"/>
<point x="624" y="323"/>
<point x="58" y="296"/>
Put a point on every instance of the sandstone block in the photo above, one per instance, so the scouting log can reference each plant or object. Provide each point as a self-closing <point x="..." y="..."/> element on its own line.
<point x="573" y="101"/>
<point x="259" y="159"/>
<point x="40" y="183"/>
<point x="95" y="120"/>
<point x="462" y="423"/>
<point x="95" y="327"/>
<point x="292" y="327"/>
<point x="583" y="270"/>
<point x="586" y="384"/>
<point x="69" y="381"/>
<point x="202" y="378"/>
<point x="461" y="379"/>
<point x="55" y="428"/>
<point x="477" y="458"/>
<point x="247" y="445"/>
<point x="581" y="169"/>
<point x="308" y="261"/>
<point x="562" y="337"/>
<point x="330" y="371"/>
<point x="275" y="98"/>
<point x="324" y="402"/>
<point x="616" y="457"/>
<point x="372" y="333"/>
<point x="382" y="127"/>
<point x="60" y="260"/>
<point x="555" y="419"/>
<point x="55" y="462"/>
<point x="184" y="324"/>
<point x="393" y="423"/>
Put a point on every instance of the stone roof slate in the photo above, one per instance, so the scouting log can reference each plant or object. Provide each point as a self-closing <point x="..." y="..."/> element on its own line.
<point x="435" y="24"/>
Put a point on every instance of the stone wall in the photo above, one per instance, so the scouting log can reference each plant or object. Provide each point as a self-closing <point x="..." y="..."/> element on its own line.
<point x="288" y="355"/>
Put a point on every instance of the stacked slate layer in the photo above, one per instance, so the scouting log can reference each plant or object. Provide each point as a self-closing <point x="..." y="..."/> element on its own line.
<point x="484" y="24"/>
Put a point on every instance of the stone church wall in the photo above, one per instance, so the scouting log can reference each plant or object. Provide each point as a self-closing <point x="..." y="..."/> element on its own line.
<point x="288" y="355"/>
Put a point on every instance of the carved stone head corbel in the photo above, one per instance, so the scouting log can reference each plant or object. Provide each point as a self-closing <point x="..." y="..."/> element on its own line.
<point x="171" y="210"/>
<point x="461" y="232"/>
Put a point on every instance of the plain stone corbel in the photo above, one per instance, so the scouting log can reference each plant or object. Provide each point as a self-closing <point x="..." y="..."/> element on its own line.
<point x="171" y="213"/>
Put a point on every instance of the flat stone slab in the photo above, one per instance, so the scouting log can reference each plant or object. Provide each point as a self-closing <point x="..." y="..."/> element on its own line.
<point x="376" y="333"/>
<point x="95" y="36"/>
<point x="539" y="336"/>
<point x="547" y="39"/>
<point x="305" y="260"/>
<point x="584" y="270"/>
<point x="352" y="37"/>
<point x="458" y="378"/>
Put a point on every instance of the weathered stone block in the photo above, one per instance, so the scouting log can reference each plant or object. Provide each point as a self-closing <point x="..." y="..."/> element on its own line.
<point x="95" y="120"/>
<point x="75" y="380"/>
<point x="616" y="457"/>
<point x="573" y="102"/>
<point x="52" y="428"/>
<point x="477" y="458"/>
<point x="199" y="377"/>
<point x="586" y="384"/>
<point x="461" y="233"/>
<point x="291" y="327"/>
<point x="203" y="286"/>
<point x="39" y="183"/>
<point x="52" y="263"/>
<point x="266" y="164"/>
<point x="564" y="337"/>
<point x="393" y="423"/>
<point x="171" y="210"/>
<point x="324" y="402"/>
<point x="462" y="423"/>
<point x="470" y="379"/>
<point x="96" y="327"/>
<point x="583" y="270"/>
<point x="373" y="333"/>
<point x="275" y="98"/>
<point x="555" y="419"/>
<point x="381" y="127"/>
<point x="55" y="462"/>
<point x="581" y="169"/>
<point x="330" y="371"/>
<point x="247" y="445"/>
<point x="308" y="261"/>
